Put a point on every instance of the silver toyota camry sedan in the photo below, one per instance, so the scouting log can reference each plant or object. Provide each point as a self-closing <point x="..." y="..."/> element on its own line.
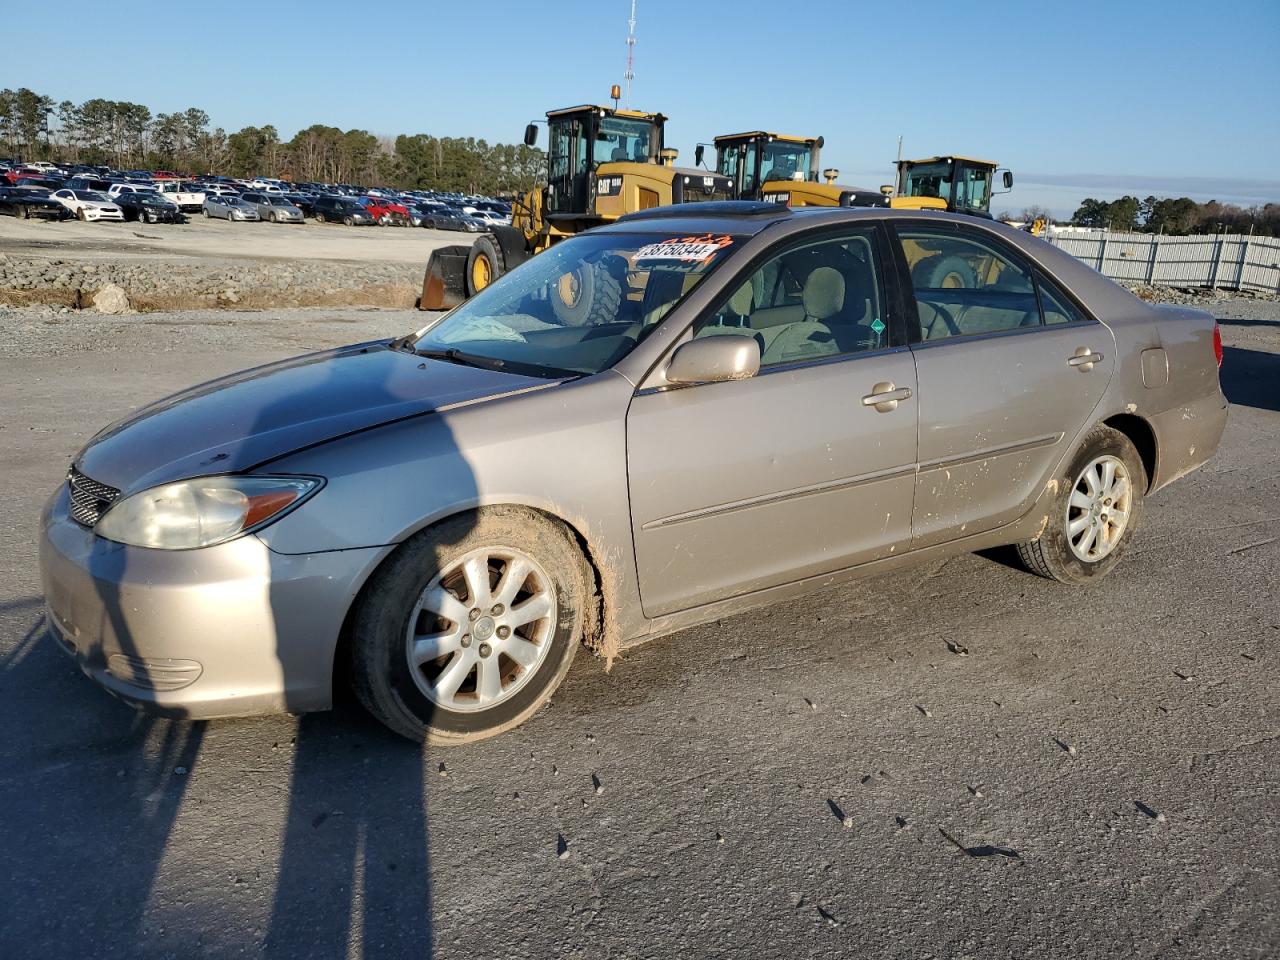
<point x="684" y="414"/>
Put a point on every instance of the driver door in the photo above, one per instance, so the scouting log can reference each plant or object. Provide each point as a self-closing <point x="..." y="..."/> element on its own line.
<point x="742" y="485"/>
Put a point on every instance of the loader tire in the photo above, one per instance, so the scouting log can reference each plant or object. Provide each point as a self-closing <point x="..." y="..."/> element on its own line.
<point x="942" y="272"/>
<point x="485" y="264"/>
<point x="586" y="296"/>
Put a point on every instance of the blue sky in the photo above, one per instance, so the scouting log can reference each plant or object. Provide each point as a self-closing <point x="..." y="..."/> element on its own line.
<point x="1078" y="99"/>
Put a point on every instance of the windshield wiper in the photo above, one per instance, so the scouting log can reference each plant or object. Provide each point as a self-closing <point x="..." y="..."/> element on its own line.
<point x="454" y="355"/>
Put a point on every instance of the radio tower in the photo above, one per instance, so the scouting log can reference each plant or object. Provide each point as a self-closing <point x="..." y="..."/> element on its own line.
<point x="631" y="52"/>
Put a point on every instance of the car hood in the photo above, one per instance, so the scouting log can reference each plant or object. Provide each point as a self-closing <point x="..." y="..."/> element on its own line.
<point x="257" y="415"/>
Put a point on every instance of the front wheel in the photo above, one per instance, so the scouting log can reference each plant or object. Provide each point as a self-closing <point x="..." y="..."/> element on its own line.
<point x="470" y="626"/>
<point x="348" y="221"/>
<point x="1096" y="509"/>
<point x="485" y="264"/>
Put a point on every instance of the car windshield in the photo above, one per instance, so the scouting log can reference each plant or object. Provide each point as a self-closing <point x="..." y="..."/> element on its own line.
<point x="577" y="308"/>
<point x="280" y="202"/>
<point x="90" y="195"/>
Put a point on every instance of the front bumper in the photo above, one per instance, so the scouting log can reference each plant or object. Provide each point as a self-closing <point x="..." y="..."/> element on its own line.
<point x="225" y="631"/>
<point x="92" y="215"/>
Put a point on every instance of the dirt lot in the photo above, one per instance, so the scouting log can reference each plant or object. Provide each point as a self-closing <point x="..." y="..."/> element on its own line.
<point x="788" y="783"/>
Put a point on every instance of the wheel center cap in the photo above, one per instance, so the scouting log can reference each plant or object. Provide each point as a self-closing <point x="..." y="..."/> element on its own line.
<point x="483" y="628"/>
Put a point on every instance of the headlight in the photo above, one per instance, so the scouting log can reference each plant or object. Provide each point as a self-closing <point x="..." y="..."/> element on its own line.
<point x="203" y="511"/>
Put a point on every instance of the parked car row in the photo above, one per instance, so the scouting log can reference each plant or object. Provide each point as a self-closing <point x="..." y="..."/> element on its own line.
<point x="97" y="193"/>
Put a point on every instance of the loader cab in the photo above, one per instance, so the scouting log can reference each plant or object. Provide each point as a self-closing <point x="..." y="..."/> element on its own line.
<point x="753" y="159"/>
<point x="958" y="184"/>
<point x="582" y="139"/>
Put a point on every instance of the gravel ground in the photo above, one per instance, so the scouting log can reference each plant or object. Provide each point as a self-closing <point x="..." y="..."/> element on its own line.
<point x="215" y="263"/>
<point x="794" y="782"/>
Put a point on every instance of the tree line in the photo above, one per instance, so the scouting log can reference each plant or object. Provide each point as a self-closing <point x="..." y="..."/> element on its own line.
<point x="1178" y="216"/>
<point x="127" y="135"/>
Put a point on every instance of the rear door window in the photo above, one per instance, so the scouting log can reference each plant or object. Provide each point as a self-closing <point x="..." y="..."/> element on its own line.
<point x="965" y="286"/>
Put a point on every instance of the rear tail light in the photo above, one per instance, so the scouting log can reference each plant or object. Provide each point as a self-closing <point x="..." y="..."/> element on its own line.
<point x="1217" y="343"/>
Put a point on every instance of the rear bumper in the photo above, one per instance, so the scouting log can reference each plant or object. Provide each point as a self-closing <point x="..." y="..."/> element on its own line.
<point x="230" y="630"/>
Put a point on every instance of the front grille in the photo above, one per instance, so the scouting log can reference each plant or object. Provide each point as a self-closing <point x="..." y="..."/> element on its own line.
<point x="89" y="498"/>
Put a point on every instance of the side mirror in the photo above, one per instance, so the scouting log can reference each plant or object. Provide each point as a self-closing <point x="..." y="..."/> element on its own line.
<point x="698" y="152"/>
<point x="531" y="135"/>
<point x="1008" y="179"/>
<point x="714" y="359"/>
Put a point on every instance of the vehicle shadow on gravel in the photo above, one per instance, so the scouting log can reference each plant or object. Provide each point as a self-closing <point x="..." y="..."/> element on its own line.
<point x="354" y="875"/>
<point x="90" y="804"/>
<point x="1251" y="378"/>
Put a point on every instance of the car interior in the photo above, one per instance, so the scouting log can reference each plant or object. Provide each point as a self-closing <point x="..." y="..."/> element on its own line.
<point x="817" y="301"/>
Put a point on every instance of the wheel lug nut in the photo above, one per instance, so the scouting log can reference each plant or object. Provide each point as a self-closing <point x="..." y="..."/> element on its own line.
<point x="485" y="649"/>
<point x="474" y="614"/>
<point x="497" y="610"/>
<point x="466" y="639"/>
<point x="504" y="632"/>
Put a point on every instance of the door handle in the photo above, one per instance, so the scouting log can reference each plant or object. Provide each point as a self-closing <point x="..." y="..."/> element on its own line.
<point x="884" y="396"/>
<point x="1084" y="359"/>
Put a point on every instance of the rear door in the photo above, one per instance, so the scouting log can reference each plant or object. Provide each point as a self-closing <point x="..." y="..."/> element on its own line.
<point x="1009" y="369"/>
<point x="742" y="485"/>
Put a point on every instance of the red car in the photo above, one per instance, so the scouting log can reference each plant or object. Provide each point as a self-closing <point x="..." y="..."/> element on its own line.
<point x="20" y="172"/>
<point x="386" y="212"/>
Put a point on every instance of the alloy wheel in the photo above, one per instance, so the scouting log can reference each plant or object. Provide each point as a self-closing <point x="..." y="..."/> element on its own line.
<point x="1098" y="508"/>
<point x="481" y="629"/>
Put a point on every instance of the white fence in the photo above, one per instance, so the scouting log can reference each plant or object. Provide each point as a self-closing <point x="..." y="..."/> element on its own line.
<point x="1232" y="261"/>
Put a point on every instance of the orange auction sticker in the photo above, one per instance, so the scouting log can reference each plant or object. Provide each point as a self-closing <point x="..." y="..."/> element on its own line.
<point x="685" y="249"/>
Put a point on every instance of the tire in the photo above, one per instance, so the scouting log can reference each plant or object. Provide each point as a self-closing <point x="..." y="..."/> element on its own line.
<point x="595" y="297"/>
<point x="80" y="215"/>
<point x="1052" y="554"/>
<point x="348" y="221"/>
<point x="395" y="691"/>
<point x="206" y="212"/>
<point x="272" y="217"/>
<point x="26" y="213"/>
<point x="485" y="264"/>
<point x="941" y="272"/>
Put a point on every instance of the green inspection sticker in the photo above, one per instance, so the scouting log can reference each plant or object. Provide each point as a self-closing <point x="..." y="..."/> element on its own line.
<point x="877" y="325"/>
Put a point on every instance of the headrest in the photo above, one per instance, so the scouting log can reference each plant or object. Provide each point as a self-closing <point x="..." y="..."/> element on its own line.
<point x="740" y="302"/>
<point x="823" y="293"/>
<point x="620" y="153"/>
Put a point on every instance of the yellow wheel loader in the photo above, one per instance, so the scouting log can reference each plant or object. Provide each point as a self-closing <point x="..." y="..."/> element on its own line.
<point x="958" y="184"/>
<point x="781" y="168"/>
<point x="602" y="162"/>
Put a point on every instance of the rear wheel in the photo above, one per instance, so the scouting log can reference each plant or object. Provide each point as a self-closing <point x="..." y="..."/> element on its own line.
<point x="470" y="626"/>
<point x="1096" y="509"/>
<point x="589" y="294"/>
<point x="485" y="264"/>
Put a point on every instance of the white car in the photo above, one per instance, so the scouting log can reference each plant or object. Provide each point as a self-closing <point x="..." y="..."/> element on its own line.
<point x="118" y="188"/>
<point x="44" y="166"/>
<point x="88" y="205"/>
<point x="188" y="200"/>
<point x="489" y="216"/>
